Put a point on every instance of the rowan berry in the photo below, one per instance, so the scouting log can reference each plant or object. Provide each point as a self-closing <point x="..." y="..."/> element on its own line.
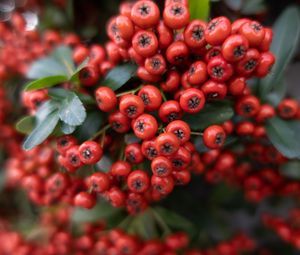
<point x="162" y="185"/>
<point x="214" y="90"/>
<point x="219" y="70"/>
<point x="138" y="181"/>
<point x="214" y="137"/>
<point x="64" y="143"/>
<point x="181" y="129"/>
<point x="177" y="53"/>
<point x="85" y="200"/>
<point x="155" y="65"/>
<point x="145" y="43"/>
<point x="80" y="53"/>
<point x="149" y="150"/>
<point x="97" y="54"/>
<point x="172" y="81"/>
<point x="181" y="159"/>
<point x="245" y="128"/>
<point x="144" y="75"/>
<point x="266" y="111"/>
<point x="90" y="152"/>
<point x="248" y="106"/>
<point x="98" y="182"/>
<point x="151" y="97"/>
<point x="234" y="48"/>
<point x="73" y="157"/>
<point x="217" y="30"/>
<point x="266" y="42"/>
<point x="89" y="75"/>
<point x="197" y="73"/>
<point x="116" y="197"/>
<point x="131" y="106"/>
<point x="167" y="144"/>
<point x="288" y="108"/>
<point x="165" y="35"/>
<point x="161" y="166"/>
<point x="236" y="86"/>
<point x="182" y="177"/>
<point x="192" y="100"/>
<point x="133" y="153"/>
<point x="145" y="14"/>
<point x="265" y="64"/>
<point x="254" y="32"/>
<point x="120" y="169"/>
<point x="125" y="27"/>
<point x="119" y="122"/>
<point x="169" y="111"/>
<point x="145" y="126"/>
<point x="213" y="52"/>
<point x="236" y="25"/>
<point x="176" y="15"/>
<point x="194" y="34"/>
<point x="106" y="99"/>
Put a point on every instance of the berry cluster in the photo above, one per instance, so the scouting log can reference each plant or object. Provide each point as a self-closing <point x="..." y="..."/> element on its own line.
<point x="94" y="238"/>
<point x="287" y="229"/>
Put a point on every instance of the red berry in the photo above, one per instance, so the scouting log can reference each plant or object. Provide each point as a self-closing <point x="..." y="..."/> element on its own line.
<point x="181" y="129"/>
<point x="106" y="99"/>
<point x="145" y="126"/>
<point x="138" y="181"/>
<point x="194" y="34"/>
<point x="214" y="137"/>
<point x="98" y="182"/>
<point x="151" y="97"/>
<point x="90" y="152"/>
<point x="131" y="106"/>
<point x="161" y="166"/>
<point x="167" y="144"/>
<point x="217" y="30"/>
<point x="192" y="100"/>
<point x="85" y="200"/>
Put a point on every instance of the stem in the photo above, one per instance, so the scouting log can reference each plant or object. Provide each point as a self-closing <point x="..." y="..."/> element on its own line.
<point x="133" y="91"/>
<point x="163" y="225"/>
<point x="163" y="95"/>
<point x="197" y="133"/>
<point x="100" y="132"/>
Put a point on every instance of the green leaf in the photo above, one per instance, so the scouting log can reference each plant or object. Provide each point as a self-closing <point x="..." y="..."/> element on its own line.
<point x="59" y="63"/>
<point x="285" y="43"/>
<point x="60" y="94"/>
<point x="45" y="109"/>
<point x="90" y="126"/>
<point x="72" y="110"/>
<point x="285" y="136"/>
<point x="102" y="211"/>
<point x="253" y="7"/>
<point x="214" y="113"/>
<point x="25" y="125"/>
<point x="41" y="131"/>
<point x="199" y="9"/>
<point x="67" y="129"/>
<point x="291" y="169"/>
<point x="78" y="69"/>
<point x="175" y="221"/>
<point x="46" y="82"/>
<point x="118" y="76"/>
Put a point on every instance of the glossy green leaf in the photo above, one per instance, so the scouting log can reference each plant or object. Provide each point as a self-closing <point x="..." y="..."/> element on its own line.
<point x="285" y="136"/>
<point x="25" y="125"/>
<point x="214" y="113"/>
<point x="59" y="63"/>
<point x="72" y="111"/>
<point x="45" y="82"/>
<point x="102" y="211"/>
<point x="199" y="9"/>
<point x="60" y="94"/>
<point x="119" y="76"/>
<point x="291" y="169"/>
<point x="90" y="126"/>
<point x="41" y="131"/>
<point x="175" y="221"/>
<point x="45" y="109"/>
<point x="67" y="129"/>
<point x="286" y="32"/>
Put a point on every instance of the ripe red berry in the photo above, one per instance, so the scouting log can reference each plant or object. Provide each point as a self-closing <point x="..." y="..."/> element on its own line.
<point x="125" y="27"/>
<point x="217" y="30"/>
<point x="234" y="48"/>
<point x="145" y="43"/>
<point x="106" y="99"/>
<point x="254" y="32"/>
<point x="85" y="200"/>
<point x="120" y="169"/>
<point x="73" y="157"/>
<point x="149" y="149"/>
<point x="145" y="14"/>
<point x="89" y="75"/>
<point x="249" y="63"/>
<point x="181" y="129"/>
<point x="236" y="86"/>
<point x="133" y="153"/>
<point x="155" y="65"/>
<point x="176" y="15"/>
<point x="161" y="166"/>
<point x="265" y="64"/>
<point x="119" y="122"/>
<point x="214" y="90"/>
<point x="169" y="111"/>
<point x="194" y="34"/>
<point x="288" y="108"/>
<point x="177" y="53"/>
<point x="151" y="97"/>
<point x="138" y="181"/>
<point x="163" y="185"/>
<point x="172" y="81"/>
<point x="219" y="70"/>
<point x="181" y="159"/>
<point x="192" y="100"/>
<point x="90" y="152"/>
<point x="266" y="42"/>
<point x="131" y="106"/>
<point x="145" y="126"/>
<point x="248" y="106"/>
<point x="167" y="144"/>
<point x="214" y="137"/>
<point x="197" y="73"/>
<point x="64" y="143"/>
<point x="165" y="35"/>
<point x="98" y="182"/>
<point x="116" y="197"/>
